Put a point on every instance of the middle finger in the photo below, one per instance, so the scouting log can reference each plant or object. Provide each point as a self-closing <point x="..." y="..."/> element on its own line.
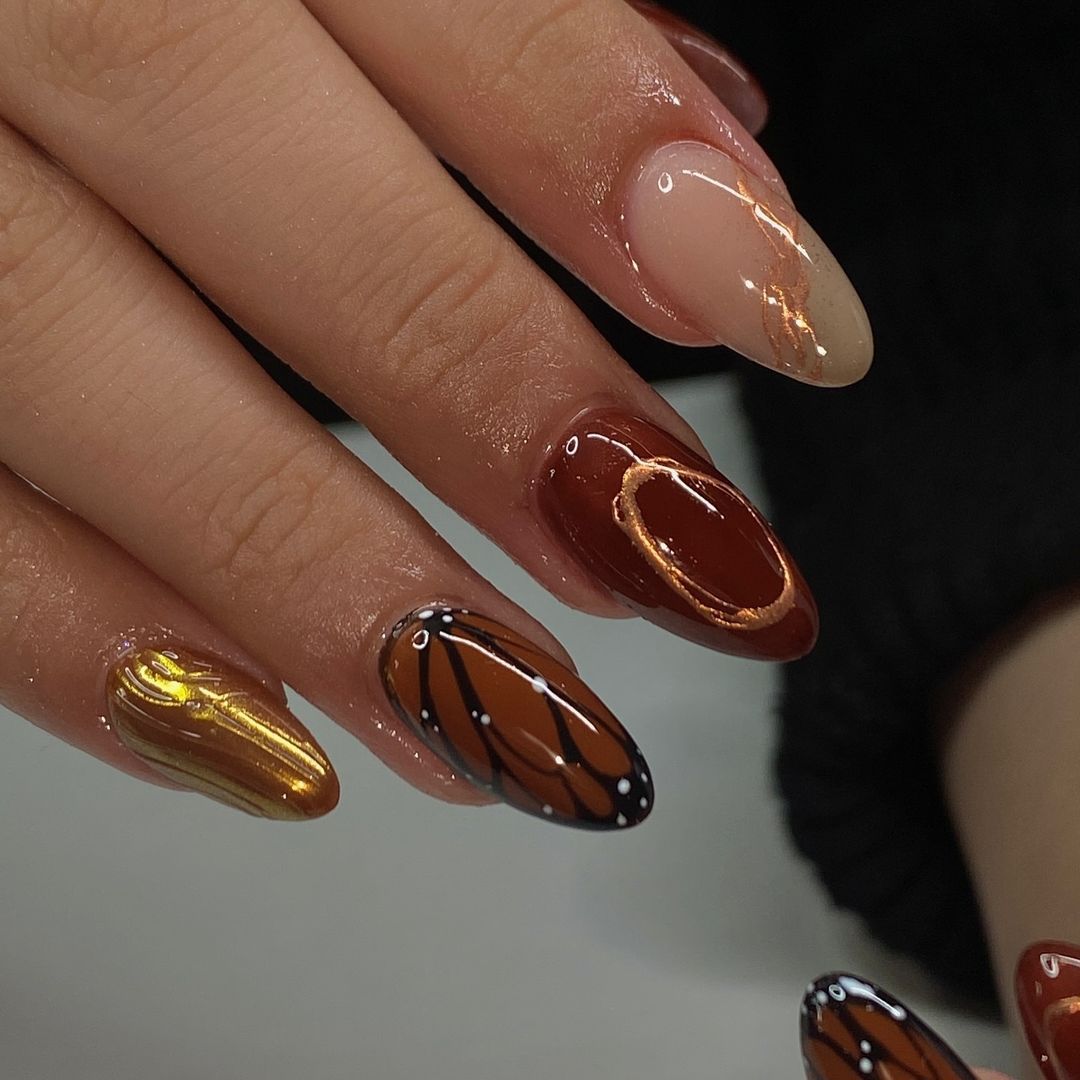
<point x="245" y="144"/>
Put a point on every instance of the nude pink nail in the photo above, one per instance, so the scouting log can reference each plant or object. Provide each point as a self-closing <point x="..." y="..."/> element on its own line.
<point x="736" y="260"/>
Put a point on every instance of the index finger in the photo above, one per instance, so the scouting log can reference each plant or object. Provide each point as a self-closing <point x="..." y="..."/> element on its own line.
<point x="587" y="129"/>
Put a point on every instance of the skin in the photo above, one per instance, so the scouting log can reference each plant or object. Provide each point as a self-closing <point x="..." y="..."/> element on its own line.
<point x="1009" y="747"/>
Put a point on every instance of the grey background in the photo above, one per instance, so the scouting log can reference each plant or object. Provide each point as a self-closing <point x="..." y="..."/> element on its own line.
<point x="157" y="936"/>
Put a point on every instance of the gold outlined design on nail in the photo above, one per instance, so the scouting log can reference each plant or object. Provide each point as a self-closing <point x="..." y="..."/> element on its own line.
<point x="785" y="291"/>
<point x="217" y="732"/>
<point x="628" y="516"/>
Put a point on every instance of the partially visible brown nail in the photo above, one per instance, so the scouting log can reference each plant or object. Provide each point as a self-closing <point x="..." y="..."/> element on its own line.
<point x="715" y="64"/>
<point x="1048" y="996"/>
<point x="216" y="730"/>
<point x="514" y="720"/>
<point x="674" y="539"/>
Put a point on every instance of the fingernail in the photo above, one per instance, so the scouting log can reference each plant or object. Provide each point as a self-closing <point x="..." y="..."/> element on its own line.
<point x="673" y="539"/>
<point x="1048" y="996"/>
<point x="215" y="730"/>
<point x="714" y="64"/>
<point x="852" y="1029"/>
<point x="736" y="260"/>
<point x="514" y="720"/>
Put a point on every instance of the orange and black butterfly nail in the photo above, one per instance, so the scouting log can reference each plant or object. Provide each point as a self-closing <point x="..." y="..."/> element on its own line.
<point x="852" y="1030"/>
<point x="514" y="720"/>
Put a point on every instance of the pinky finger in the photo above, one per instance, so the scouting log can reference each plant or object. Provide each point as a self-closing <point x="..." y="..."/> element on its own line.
<point x="101" y="653"/>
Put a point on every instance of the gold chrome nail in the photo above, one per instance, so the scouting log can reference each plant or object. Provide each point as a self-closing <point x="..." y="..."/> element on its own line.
<point x="218" y="731"/>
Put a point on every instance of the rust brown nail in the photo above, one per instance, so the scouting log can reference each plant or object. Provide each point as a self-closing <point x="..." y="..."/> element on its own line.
<point x="514" y="720"/>
<point x="674" y="539"/>
<point x="1048" y="996"/>
<point x="218" y="731"/>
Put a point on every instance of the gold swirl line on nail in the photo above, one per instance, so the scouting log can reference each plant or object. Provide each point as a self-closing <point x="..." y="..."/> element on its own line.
<point x="214" y="732"/>
<point x="628" y="516"/>
<point x="785" y="293"/>
<point x="1067" y="1006"/>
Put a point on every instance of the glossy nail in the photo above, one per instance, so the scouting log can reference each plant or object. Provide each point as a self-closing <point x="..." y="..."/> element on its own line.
<point x="734" y="259"/>
<point x="673" y="539"/>
<point x="852" y="1029"/>
<point x="215" y="730"/>
<point x="514" y="720"/>
<point x="1048" y="997"/>
<point x="717" y="67"/>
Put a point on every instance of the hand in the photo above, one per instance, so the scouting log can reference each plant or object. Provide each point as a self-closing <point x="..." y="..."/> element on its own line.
<point x="205" y="541"/>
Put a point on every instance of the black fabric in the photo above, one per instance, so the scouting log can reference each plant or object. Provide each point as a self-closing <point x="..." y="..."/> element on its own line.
<point x="930" y="505"/>
<point x="934" y="146"/>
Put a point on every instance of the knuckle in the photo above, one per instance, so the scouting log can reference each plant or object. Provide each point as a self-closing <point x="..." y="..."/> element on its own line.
<point x="118" y="50"/>
<point x="47" y="232"/>
<point x="532" y="41"/>
<point x="263" y="530"/>
<point x="454" y="308"/>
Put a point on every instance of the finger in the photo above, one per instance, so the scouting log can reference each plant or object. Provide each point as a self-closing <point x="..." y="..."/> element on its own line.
<point x="597" y="140"/>
<point x="377" y="279"/>
<point x="150" y="422"/>
<point x="96" y="650"/>
<point x="717" y="67"/>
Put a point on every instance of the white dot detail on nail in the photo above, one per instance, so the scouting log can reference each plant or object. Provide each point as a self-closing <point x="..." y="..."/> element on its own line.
<point x="821" y="997"/>
<point x="643" y="803"/>
<point x="485" y="719"/>
<point x="864" y="1046"/>
<point x="448" y="618"/>
<point x="865" y="1066"/>
<point x="539" y="683"/>
<point x="623" y="786"/>
<point x="547" y="810"/>
<point x="424" y="714"/>
<point x="620" y="820"/>
<point x="425" y="614"/>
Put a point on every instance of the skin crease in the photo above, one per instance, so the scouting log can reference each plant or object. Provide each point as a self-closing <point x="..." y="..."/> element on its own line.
<point x="581" y="146"/>
<point x="1010" y="742"/>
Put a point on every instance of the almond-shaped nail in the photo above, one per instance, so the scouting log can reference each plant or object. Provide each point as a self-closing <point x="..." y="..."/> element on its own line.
<point x="216" y="730"/>
<point x="717" y="67"/>
<point x="1048" y="997"/>
<point x="852" y="1029"/>
<point x="735" y="259"/>
<point x="673" y="539"/>
<point x="514" y="720"/>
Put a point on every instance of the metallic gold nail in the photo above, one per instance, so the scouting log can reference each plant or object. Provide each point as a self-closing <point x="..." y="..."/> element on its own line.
<point x="218" y="731"/>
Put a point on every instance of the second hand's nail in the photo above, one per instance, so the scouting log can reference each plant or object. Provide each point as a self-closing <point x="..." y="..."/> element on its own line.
<point x="673" y="539"/>
<point x="514" y="720"/>
<point x="721" y="71"/>
<point x="852" y="1029"/>
<point x="736" y="260"/>
<point x="1048" y="996"/>
<point x="217" y="731"/>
